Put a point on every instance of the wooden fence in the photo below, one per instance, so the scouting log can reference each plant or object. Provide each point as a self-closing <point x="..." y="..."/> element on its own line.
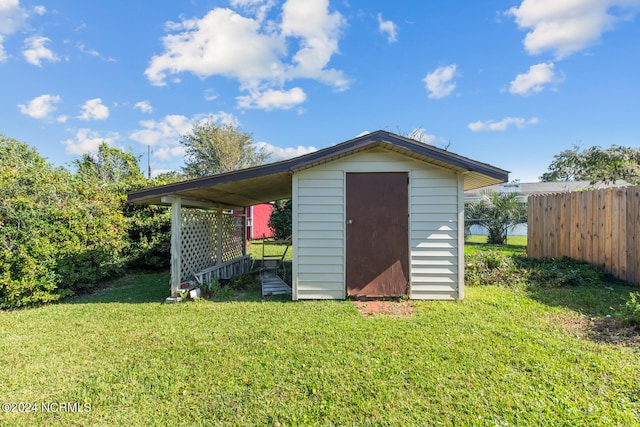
<point x="600" y="226"/>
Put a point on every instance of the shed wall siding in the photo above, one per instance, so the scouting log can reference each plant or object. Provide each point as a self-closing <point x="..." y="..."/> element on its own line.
<point x="319" y="226"/>
<point x="434" y="234"/>
<point x="319" y="234"/>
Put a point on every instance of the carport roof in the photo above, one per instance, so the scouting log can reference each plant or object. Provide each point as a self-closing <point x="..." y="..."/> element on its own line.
<point x="272" y="181"/>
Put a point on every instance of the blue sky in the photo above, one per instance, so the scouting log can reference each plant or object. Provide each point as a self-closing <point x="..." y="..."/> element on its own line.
<point x="510" y="83"/>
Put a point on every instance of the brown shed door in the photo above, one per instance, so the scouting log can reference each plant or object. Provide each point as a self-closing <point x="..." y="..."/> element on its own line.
<point x="377" y="234"/>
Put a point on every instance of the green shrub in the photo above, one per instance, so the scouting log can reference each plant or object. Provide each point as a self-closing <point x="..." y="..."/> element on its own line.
<point x="62" y="231"/>
<point x="506" y="269"/>
<point x="149" y="237"/>
<point x="491" y="268"/>
<point x="630" y="313"/>
<point x="563" y="272"/>
<point x="280" y="219"/>
<point x="59" y="233"/>
<point x="246" y="282"/>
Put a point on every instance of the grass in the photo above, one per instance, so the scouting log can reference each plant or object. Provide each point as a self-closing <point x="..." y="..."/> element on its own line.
<point x="516" y="245"/>
<point x="511" y="240"/>
<point x="503" y="356"/>
<point x="255" y="249"/>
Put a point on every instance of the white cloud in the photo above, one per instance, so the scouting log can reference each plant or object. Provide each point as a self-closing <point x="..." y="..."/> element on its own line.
<point x="87" y="141"/>
<point x="94" y="109"/>
<point x="41" y="106"/>
<point x="440" y="82"/>
<point x="279" y="153"/>
<point x="12" y="18"/>
<point x="534" y="80"/>
<point x="389" y="28"/>
<point x="258" y="8"/>
<point x="35" y="50"/>
<point x="3" y="53"/>
<point x="169" y="153"/>
<point x="568" y="26"/>
<point x="503" y="124"/>
<point x="270" y="99"/>
<point x="221" y="43"/>
<point x="210" y="95"/>
<point x="254" y="50"/>
<point x="144" y="106"/>
<point x="363" y="133"/>
<point x="318" y="32"/>
<point x="164" y="132"/>
<point x="92" y="52"/>
<point x="40" y="10"/>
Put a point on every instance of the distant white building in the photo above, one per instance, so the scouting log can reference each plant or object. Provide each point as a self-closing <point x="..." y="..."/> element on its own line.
<point x="527" y="189"/>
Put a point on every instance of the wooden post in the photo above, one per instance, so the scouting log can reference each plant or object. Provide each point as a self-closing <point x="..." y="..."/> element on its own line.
<point x="219" y="235"/>
<point x="176" y="238"/>
<point x="244" y="231"/>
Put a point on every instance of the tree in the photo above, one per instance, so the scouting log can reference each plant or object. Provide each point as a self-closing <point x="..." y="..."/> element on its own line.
<point x="280" y="219"/>
<point x="148" y="227"/>
<point x="595" y="164"/>
<point x="497" y="213"/>
<point x="213" y="148"/>
<point x="110" y="165"/>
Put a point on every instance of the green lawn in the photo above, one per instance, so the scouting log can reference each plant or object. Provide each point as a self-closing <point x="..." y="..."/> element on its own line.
<point x="255" y="249"/>
<point x="501" y="357"/>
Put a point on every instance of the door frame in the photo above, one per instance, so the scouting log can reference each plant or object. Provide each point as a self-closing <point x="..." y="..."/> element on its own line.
<point x="409" y="231"/>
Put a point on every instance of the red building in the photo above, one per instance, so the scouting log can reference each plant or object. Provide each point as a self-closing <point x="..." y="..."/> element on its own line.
<point x="258" y="221"/>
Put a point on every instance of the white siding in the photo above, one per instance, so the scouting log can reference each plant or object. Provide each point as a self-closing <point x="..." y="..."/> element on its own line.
<point x="319" y="226"/>
<point x="318" y="258"/>
<point x="434" y="234"/>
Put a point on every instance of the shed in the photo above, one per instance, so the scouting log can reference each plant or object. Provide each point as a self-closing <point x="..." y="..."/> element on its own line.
<point x="258" y="221"/>
<point x="380" y="215"/>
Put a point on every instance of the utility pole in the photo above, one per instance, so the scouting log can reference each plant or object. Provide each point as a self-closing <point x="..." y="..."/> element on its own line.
<point x="149" y="161"/>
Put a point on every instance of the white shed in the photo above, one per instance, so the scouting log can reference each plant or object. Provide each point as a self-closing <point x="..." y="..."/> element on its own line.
<point x="376" y="216"/>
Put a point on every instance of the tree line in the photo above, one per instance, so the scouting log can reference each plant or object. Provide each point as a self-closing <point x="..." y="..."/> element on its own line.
<point x="65" y="230"/>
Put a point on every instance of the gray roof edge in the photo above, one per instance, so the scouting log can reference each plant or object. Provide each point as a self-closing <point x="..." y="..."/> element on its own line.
<point x="323" y="155"/>
<point x="208" y="181"/>
<point x="402" y="142"/>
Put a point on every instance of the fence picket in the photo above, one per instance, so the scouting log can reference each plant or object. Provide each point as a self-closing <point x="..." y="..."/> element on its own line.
<point x="598" y="226"/>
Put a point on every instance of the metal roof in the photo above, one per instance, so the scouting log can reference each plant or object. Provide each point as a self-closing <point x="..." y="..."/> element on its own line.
<point x="269" y="182"/>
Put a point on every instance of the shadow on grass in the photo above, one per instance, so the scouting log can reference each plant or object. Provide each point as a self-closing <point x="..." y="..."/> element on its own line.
<point x="148" y="287"/>
<point x="599" y="307"/>
<point x="591" y="301"/>
<point x="134" y="288"/>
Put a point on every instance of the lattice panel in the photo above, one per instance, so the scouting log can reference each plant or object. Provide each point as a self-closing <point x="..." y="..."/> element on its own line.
<point x="232" y="236"/>
<point x="198" y="242"/>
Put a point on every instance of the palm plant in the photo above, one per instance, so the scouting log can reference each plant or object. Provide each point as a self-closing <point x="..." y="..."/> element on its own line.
<point x="497" y="212"/>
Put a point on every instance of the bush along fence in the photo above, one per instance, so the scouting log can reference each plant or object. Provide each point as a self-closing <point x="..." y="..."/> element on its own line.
<point x="601" y="227"/>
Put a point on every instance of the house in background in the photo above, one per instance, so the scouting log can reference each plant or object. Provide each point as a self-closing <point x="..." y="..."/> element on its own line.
<point x="527" y="189"/>
<point x="380" y="215"/>
<point x="258" y="221"/>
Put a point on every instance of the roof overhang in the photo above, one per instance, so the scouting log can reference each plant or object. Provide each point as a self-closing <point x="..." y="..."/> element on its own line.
<point x="270" y="182"/>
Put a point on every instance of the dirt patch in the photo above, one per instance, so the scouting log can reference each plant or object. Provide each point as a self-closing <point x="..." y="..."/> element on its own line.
<point x="607" y="330"/>
<point x="384" y="308"/>
<point x="612" y="331"/>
